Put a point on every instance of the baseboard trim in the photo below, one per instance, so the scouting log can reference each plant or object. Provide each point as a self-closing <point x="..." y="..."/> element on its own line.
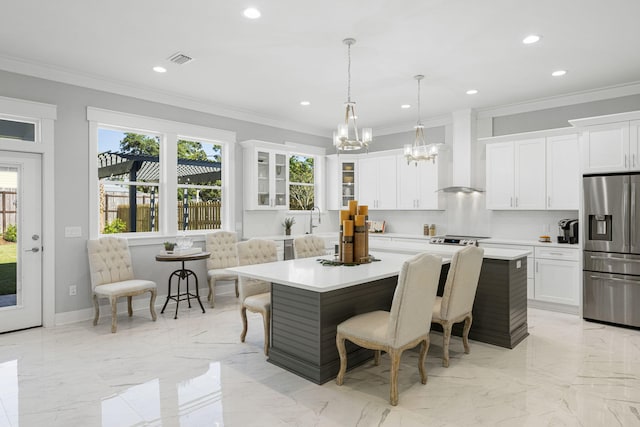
<point x="552" y="306"/>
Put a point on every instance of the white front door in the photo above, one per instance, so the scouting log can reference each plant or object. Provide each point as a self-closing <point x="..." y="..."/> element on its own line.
<point x="20" y="256"/>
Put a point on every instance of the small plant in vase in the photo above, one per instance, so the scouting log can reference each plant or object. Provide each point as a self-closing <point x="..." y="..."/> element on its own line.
<point x="287" y="223"/>
<point x="169" y="246"/>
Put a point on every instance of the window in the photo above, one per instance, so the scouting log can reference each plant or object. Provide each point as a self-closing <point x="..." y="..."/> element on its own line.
<point x="199" y="185"/>
<point x="128" y="175"/>
<point x="154" y="180"/>
<point x="301" y="182"/>
<point x="21" y="131"/>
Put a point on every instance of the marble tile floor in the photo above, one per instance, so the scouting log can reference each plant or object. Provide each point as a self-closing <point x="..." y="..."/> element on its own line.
<point x="194" y="371"/>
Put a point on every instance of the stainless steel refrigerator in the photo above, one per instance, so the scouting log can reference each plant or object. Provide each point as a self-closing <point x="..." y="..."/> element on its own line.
<point x="612" y="249"/>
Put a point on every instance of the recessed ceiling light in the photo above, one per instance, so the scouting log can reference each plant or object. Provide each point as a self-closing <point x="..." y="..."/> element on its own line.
<point x="531" y="38"/>
<point x="251" y="13"/>
<point x="305" y="103"/>
<point x="405" y="106"/>
<point x="559" y="73"/>
<point x="472" y="91"/>
<point x="159" y="69"/>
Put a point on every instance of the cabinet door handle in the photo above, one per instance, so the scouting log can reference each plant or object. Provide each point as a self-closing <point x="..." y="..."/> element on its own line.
<point x="516" y="201"/>
<point x="510" y="202"/>
<point x="418" y="203"/>
<point x="633" y="160"/>
<point x="536" y="266"/>
<point x="625" y="160"/>
<point x="549" y="201"/>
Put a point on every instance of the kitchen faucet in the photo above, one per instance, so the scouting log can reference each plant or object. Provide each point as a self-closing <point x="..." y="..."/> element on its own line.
<point x="311" y="226"/>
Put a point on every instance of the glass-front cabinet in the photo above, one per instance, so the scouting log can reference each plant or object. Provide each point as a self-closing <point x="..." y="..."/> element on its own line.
<point x="266" y="176"/>
<point x="348" y="182"/>
<point x="341" y="181"/>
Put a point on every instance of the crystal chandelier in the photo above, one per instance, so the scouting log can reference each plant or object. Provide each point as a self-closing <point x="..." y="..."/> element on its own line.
<point x="420" y="150"/>
<point x="347" y="138"/>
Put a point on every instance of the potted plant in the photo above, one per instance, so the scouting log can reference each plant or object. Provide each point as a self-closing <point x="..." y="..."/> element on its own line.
<point x="169" y="246"/>
<point x="287" y="223"/>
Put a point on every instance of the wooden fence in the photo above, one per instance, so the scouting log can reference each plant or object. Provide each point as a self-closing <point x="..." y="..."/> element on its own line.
<point x="201" y="215"/>
<point x="8" y="208"/>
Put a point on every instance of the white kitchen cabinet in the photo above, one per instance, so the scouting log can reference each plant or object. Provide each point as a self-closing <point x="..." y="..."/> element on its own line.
<point x="606" y="148"/>
<point x="563" y="172"/>
<point x="417" y="185"/>
<point x="516" y="175"/>
<point x="634" y="145"/>
<point x="557" y="275"/>
<point x="266" y="177"/>
<point x="341" y="181"/>
<point x="377" y="182"/>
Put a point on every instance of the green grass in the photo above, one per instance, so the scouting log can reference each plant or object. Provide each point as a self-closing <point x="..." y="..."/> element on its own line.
<point x="8" y="269"/>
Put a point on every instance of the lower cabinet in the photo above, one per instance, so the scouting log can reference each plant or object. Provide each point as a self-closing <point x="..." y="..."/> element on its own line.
<point x="557" y="278"/>
<point x="557" y="281"/>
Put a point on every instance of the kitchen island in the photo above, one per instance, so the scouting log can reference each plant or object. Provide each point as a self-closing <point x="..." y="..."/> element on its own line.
<point x="308" y="301"/>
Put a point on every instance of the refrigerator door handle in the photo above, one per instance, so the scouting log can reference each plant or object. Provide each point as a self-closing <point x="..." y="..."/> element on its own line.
<point x="613" y="279"/>
<point x="614" y="258"/>
<point x="633" y="223"/>
<point x="625" y="215"/>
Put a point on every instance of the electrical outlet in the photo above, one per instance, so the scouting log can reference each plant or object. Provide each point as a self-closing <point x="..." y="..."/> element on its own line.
<point x="72" y="290"/>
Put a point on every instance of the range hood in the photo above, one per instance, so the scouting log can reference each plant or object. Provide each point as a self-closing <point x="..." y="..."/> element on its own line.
<point x="463" y="153"/>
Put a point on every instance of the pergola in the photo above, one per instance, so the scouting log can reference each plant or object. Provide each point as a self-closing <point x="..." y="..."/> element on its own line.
<point x="145" y="168"/>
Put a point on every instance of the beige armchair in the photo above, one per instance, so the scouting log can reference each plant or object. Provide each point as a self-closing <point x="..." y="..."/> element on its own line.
<point x="456" y="302"/>
<point x="255" y="295"/>
<point x="222" y="245"/>
<point x="406" y="326"/>
<point x="308" y="246"/>
<point x="112" y="277"/>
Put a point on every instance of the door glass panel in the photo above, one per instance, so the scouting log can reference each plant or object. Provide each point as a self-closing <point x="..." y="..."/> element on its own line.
<point x="263" y="179"/>
<point x="8" y="243"/>
<point x="281" y="179"/>
<point x="17" y="130"/>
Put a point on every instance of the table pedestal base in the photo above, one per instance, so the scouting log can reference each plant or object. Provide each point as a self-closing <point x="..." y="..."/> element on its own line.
<point x="182" y="274"/>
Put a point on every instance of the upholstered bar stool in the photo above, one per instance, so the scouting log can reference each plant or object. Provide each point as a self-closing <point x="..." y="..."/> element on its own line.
<point x="308" y="246"/>
<point x="222" y="245"/>
<point x="255" y="295"/>
<point x="404" y="327"/>
<point x="456" y="302"/>
<point x="112" y="277"/>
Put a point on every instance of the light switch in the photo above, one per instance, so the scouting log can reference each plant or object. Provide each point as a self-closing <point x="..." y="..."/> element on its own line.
<point x="73" y="232"/>
<point x="518" y="263"/>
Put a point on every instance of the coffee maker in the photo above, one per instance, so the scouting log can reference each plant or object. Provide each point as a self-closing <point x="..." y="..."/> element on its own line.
<point x="568" y="231"/>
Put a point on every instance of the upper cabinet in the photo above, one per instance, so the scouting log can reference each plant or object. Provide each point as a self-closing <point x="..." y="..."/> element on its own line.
<point x="266" y="174"/>
<point x="417" y="185"/>
<point x="563" y="172"/>
<point x="341" y="181"/>
<point x="516" y="175"/>
<point x="377" y="182"/>
<point x="610" y="143"/>
<point x="541" y="172"/>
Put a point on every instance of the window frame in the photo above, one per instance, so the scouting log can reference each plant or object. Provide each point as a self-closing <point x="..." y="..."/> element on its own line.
<point x="304" y="184"/>
<point x="319" y="173"/>
<point x="170" y="132"/>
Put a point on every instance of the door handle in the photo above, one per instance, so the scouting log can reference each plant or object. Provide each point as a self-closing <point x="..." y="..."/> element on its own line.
<point x="537" y="266"/>
<point x="549" y="201"/>
<point x="614" y="258"/>
<point x="34" y="250"/>
<point x="510" y="202"/>
<point x="625" y="160"/>
<point x="516" y="201"/>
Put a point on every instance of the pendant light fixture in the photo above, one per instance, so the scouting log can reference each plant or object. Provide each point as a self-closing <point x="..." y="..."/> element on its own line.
<point x="420" y="150"/>
<point x="347" y="137"/>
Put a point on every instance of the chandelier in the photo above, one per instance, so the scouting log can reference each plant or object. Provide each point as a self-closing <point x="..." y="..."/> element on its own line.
<point x="420" y="150"/>
<point x="347" y="138"/>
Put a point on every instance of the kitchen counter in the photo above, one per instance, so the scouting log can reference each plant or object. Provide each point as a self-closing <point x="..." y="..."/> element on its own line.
<point x="279" y="237"/>
<point x="524" y="242"/>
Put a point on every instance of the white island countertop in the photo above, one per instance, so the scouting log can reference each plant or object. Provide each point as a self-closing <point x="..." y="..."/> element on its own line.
<point x="310" y="274"/>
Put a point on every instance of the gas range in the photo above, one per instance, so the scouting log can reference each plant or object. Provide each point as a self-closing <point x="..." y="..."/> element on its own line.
<point x="452" y="239"/>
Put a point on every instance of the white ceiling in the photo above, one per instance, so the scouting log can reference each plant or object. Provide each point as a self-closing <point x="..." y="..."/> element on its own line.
<point x="264" y="68"/>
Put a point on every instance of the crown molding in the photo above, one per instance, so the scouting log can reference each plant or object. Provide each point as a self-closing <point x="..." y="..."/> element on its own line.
<point x="582" y="97"/>
<point x="62" y="75"/>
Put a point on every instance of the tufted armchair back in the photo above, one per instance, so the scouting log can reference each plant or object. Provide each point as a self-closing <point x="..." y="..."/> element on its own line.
<point x="417" y="288"/>
<point x="462" y="281"/>
<point x="109" y="261"/>
<point x="222" y="245"/>
<point x="308" y="246"/>
<point x="255" y="251"/>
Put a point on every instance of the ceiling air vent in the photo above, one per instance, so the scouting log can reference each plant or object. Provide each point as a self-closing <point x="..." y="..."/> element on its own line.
<point x="180" y="58"/>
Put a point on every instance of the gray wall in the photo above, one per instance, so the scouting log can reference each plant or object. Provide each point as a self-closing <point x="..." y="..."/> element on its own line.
<point x="558" y="117"/>
<point x="72" y="171"/>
